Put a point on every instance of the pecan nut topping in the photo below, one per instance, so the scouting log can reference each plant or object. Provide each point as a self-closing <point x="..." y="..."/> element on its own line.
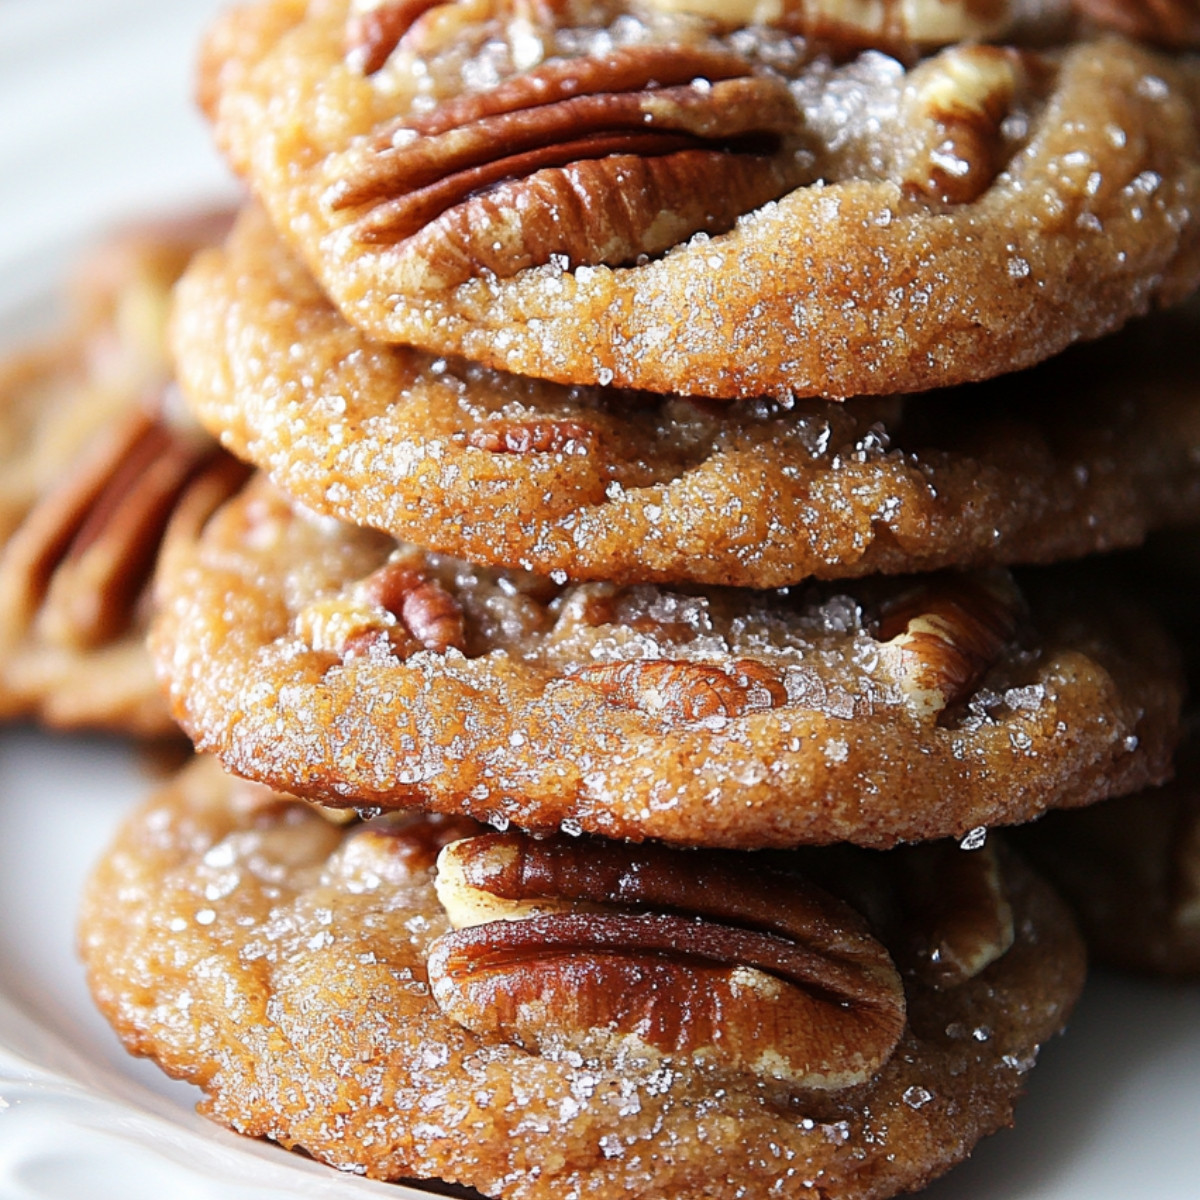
<point x="596" y="160"/>
<point x="958" y="102"/>
<point x="429" y="612"/>
<point x="947" y="634"/>
<point x="397" y="610"/>
<point x="956" y="911"/>
<point x="372" y="35"/>
<point x="82" y="558"/>
<point x="679" y="691"/>
<point x="750" y="971"/>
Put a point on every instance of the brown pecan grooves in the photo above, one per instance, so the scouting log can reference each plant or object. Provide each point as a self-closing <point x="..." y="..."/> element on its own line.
<point x="427" y="611"/>
<point x="1174" y="23"/>
<point x="950" y="631"/>
<point x="84" y="553"/>
<point x="752" y="971"/>
<point x="611" y="156"/>
<point x="676" y="691"/>
<point x="372" y="36"/>
<point x="956" y="911"/>
<point x="430" y="617"/>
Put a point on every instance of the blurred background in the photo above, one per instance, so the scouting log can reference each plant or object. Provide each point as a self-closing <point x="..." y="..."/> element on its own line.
<point x="96" y="127"/>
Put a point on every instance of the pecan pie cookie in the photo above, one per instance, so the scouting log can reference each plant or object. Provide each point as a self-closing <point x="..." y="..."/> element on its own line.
<point x="624" y="193"/>
<point x="332" y="663"/>
<point x="95" y="456"/>
<point x="1081" y="454"/>
<point x="1130" y="868"/>
<point x="605" y="1020"/>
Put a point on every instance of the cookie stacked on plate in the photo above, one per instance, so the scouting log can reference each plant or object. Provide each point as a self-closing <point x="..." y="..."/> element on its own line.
<point x="533" y="327"/>
<point x="97" y="454"/>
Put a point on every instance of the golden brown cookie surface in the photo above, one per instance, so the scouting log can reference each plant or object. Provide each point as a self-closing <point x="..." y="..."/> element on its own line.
<point x="1080" y="454"/>
<point x="95" y="455"/>
<point x="333" y="664"/>
<point x="281" y="964"/>
<point x="551" y="193"/>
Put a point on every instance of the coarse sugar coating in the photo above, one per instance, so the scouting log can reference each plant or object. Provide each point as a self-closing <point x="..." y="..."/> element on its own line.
<point x="94" y="457"/>
<point x="280" y="963"/>
<point x="618" y="194"/>
<point x="1130" y="868"/>
<point x="1083" y="453"/>
<point x="333" y="663"/>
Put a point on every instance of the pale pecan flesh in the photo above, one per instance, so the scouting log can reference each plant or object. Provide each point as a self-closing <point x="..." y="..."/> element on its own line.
<point x="83" y="555"/>
<point x="958" y="102"/>
<point x="948" y="633"/>
<point x="751" y="972"/>
<point x="599" y="161"/>
<point x="681" y="691"/>
<point x="957" y="915"/>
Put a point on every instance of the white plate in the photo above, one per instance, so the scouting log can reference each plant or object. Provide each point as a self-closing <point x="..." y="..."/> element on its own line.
<point x="95" y="125"/>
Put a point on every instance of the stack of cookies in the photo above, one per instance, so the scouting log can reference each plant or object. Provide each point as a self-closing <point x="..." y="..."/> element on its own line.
<point x="615" y="651"/>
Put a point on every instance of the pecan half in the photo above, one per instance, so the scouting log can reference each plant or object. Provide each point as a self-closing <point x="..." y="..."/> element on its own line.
<point x="83" y="555"/>
<point x="429" y="612"/>
<point x="597" y="160"/>
<point x="677" y="691"/>
<point x="375" y="31"/>
<point x="957" y="913"/>
<point x="748" y="971"/>
<point x="900" y="27"/>
<point x="397" y="610"/>
<point x="948" y="633"/>
<point x="958" y="102"/>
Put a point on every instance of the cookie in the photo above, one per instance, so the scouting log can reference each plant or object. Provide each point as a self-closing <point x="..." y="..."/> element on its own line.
<point x="307" y="978"/>
<point x="1130" y="869"/>
<point x="332" y="663"/>
<point x="95" y="456"/>
<point x="1082" y="454"/>
<point x="633" y="196"/>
